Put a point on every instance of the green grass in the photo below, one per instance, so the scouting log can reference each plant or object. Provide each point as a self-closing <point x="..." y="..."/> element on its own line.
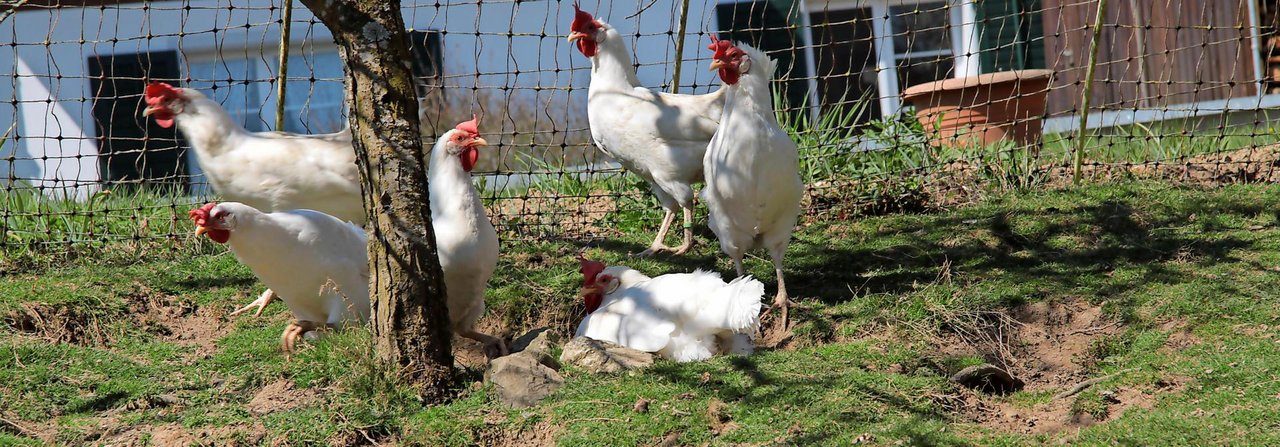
<point x="881" y="302"/>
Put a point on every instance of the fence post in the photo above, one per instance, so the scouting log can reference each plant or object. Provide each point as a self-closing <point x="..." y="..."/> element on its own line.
<point x="284" y="63"/>
<point x="1088" y="90"/>
<point x="684" y="18"/>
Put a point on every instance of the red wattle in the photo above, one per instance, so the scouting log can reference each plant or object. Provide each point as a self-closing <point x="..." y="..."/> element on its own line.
<point x="469" y="158"/>
<point x="164" y="119"/>
<point x="219" y="236"/>
<point x="587" y="47"/>
<point x="729" y="76"/>
<point x="593" y="301"/>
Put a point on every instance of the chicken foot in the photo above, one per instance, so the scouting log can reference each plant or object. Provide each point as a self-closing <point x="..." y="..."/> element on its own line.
<point x="494" y="347"/>
<point x="294" y="331"/>
<point x="260" y="303"/>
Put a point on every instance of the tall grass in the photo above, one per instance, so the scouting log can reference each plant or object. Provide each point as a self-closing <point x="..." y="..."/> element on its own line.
<point x="121" y="223"/>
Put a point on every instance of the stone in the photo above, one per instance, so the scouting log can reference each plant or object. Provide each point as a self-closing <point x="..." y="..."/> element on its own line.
<point x="522" y="381"/>
<point x="988" y="378"/>
<point x="538" y="343"/>
<point x="603" y="357"/>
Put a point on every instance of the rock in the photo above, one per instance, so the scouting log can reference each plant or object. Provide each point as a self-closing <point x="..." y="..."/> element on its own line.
<point x="603" y="357"/>
<point x="521" y="380"/>
<point x="987" y="377"/>
<point x="538" y="343"/>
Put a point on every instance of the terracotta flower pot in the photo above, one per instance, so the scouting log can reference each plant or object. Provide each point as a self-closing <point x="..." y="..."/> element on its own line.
<point x="982" y="109"/>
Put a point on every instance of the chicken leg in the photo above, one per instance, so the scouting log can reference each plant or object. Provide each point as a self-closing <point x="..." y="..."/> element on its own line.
<point x="781" y="300"/>
<point x="493" y="346"/>
<point x="688" y="233"/>
<point x="260" y="303"/>
<point x="294" y="331"/>
<point x="659" y="242"/>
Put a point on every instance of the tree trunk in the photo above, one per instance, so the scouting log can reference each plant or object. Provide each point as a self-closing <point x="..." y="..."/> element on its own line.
<point x="410" y="315"/>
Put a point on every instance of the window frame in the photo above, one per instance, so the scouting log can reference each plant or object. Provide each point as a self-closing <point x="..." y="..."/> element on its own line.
<point x="964" y="42"/>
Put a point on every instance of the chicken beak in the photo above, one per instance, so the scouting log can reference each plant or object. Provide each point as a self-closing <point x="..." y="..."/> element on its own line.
<point x="574" y="36"/>
<point x="201" y="230"/>
<point x="479" y="142"/>
<point x="716" y="64"/>
<point x="149" y="110"/>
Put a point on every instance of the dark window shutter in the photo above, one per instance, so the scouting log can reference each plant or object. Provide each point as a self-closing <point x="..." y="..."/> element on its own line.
<point x="767" y="27"/>
<point x="427" y="64"/>
<point x="1011" y="35"/>
<point x="133" y="149"/>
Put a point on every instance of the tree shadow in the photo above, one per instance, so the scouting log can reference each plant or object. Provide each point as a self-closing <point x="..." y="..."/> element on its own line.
<point x="811" y="393"/>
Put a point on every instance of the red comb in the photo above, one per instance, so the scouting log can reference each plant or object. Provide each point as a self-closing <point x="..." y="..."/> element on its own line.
<point x="723" y="48"/>
<point x="471" y="127"/>
<point x="590" y="269"/>
<point x="580" y="19"/>
<point x="201" y="214"/>
<point x="159" y="92"/>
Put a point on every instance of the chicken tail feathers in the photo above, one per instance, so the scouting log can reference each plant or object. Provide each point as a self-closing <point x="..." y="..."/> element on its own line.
<point x="734" y="307"/>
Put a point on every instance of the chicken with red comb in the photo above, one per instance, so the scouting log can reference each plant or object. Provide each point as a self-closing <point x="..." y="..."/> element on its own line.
<point x="753" y="187"/>
<point x="316" y="263"/>
<point x="681" y="316"/>
<point x="660" y="137"/>
<point x="466" y="241"/>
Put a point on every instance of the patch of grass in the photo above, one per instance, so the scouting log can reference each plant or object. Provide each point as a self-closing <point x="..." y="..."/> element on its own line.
<point x="884" y="306"/>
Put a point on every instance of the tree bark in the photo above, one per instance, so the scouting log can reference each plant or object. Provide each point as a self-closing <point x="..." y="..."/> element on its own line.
<point x="410" y="314"/>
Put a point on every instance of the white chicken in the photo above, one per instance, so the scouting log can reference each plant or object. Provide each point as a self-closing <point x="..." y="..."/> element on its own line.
<point x="683" y="317"/>
<point x="270" y="171"/>
<point x="465" y="239"/>
<point x="659" y="136"/>
<point x="317" y="264"/>
<point x="753" y="185"/>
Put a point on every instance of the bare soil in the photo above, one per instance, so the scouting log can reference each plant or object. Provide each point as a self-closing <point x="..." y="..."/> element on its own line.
<point x="1050" y="347"/>
<point x="281" y="395"/>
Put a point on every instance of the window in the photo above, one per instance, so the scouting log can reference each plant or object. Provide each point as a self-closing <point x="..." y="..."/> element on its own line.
<point x="875" y="49"/>
<point x="765" y="25"/>
<point x="844" y="54"/>
<point x="428" y="69"/>
<point x="921" y="43"/>
<point x="1012" y="35"/>
<point x="242" y="84"/>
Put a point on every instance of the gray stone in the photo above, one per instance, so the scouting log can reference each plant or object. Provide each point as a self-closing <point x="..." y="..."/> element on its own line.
<point x="987" y="378"/>
<point x="538" y="343"/>
<point x="521" y="381"/>
<point x="603" y="357"/>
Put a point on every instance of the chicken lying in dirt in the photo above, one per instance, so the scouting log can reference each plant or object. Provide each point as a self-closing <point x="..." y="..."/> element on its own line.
<point x="681" y="316"/>
<point x="317" y="264"/>
<point x="752" y="166"/>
